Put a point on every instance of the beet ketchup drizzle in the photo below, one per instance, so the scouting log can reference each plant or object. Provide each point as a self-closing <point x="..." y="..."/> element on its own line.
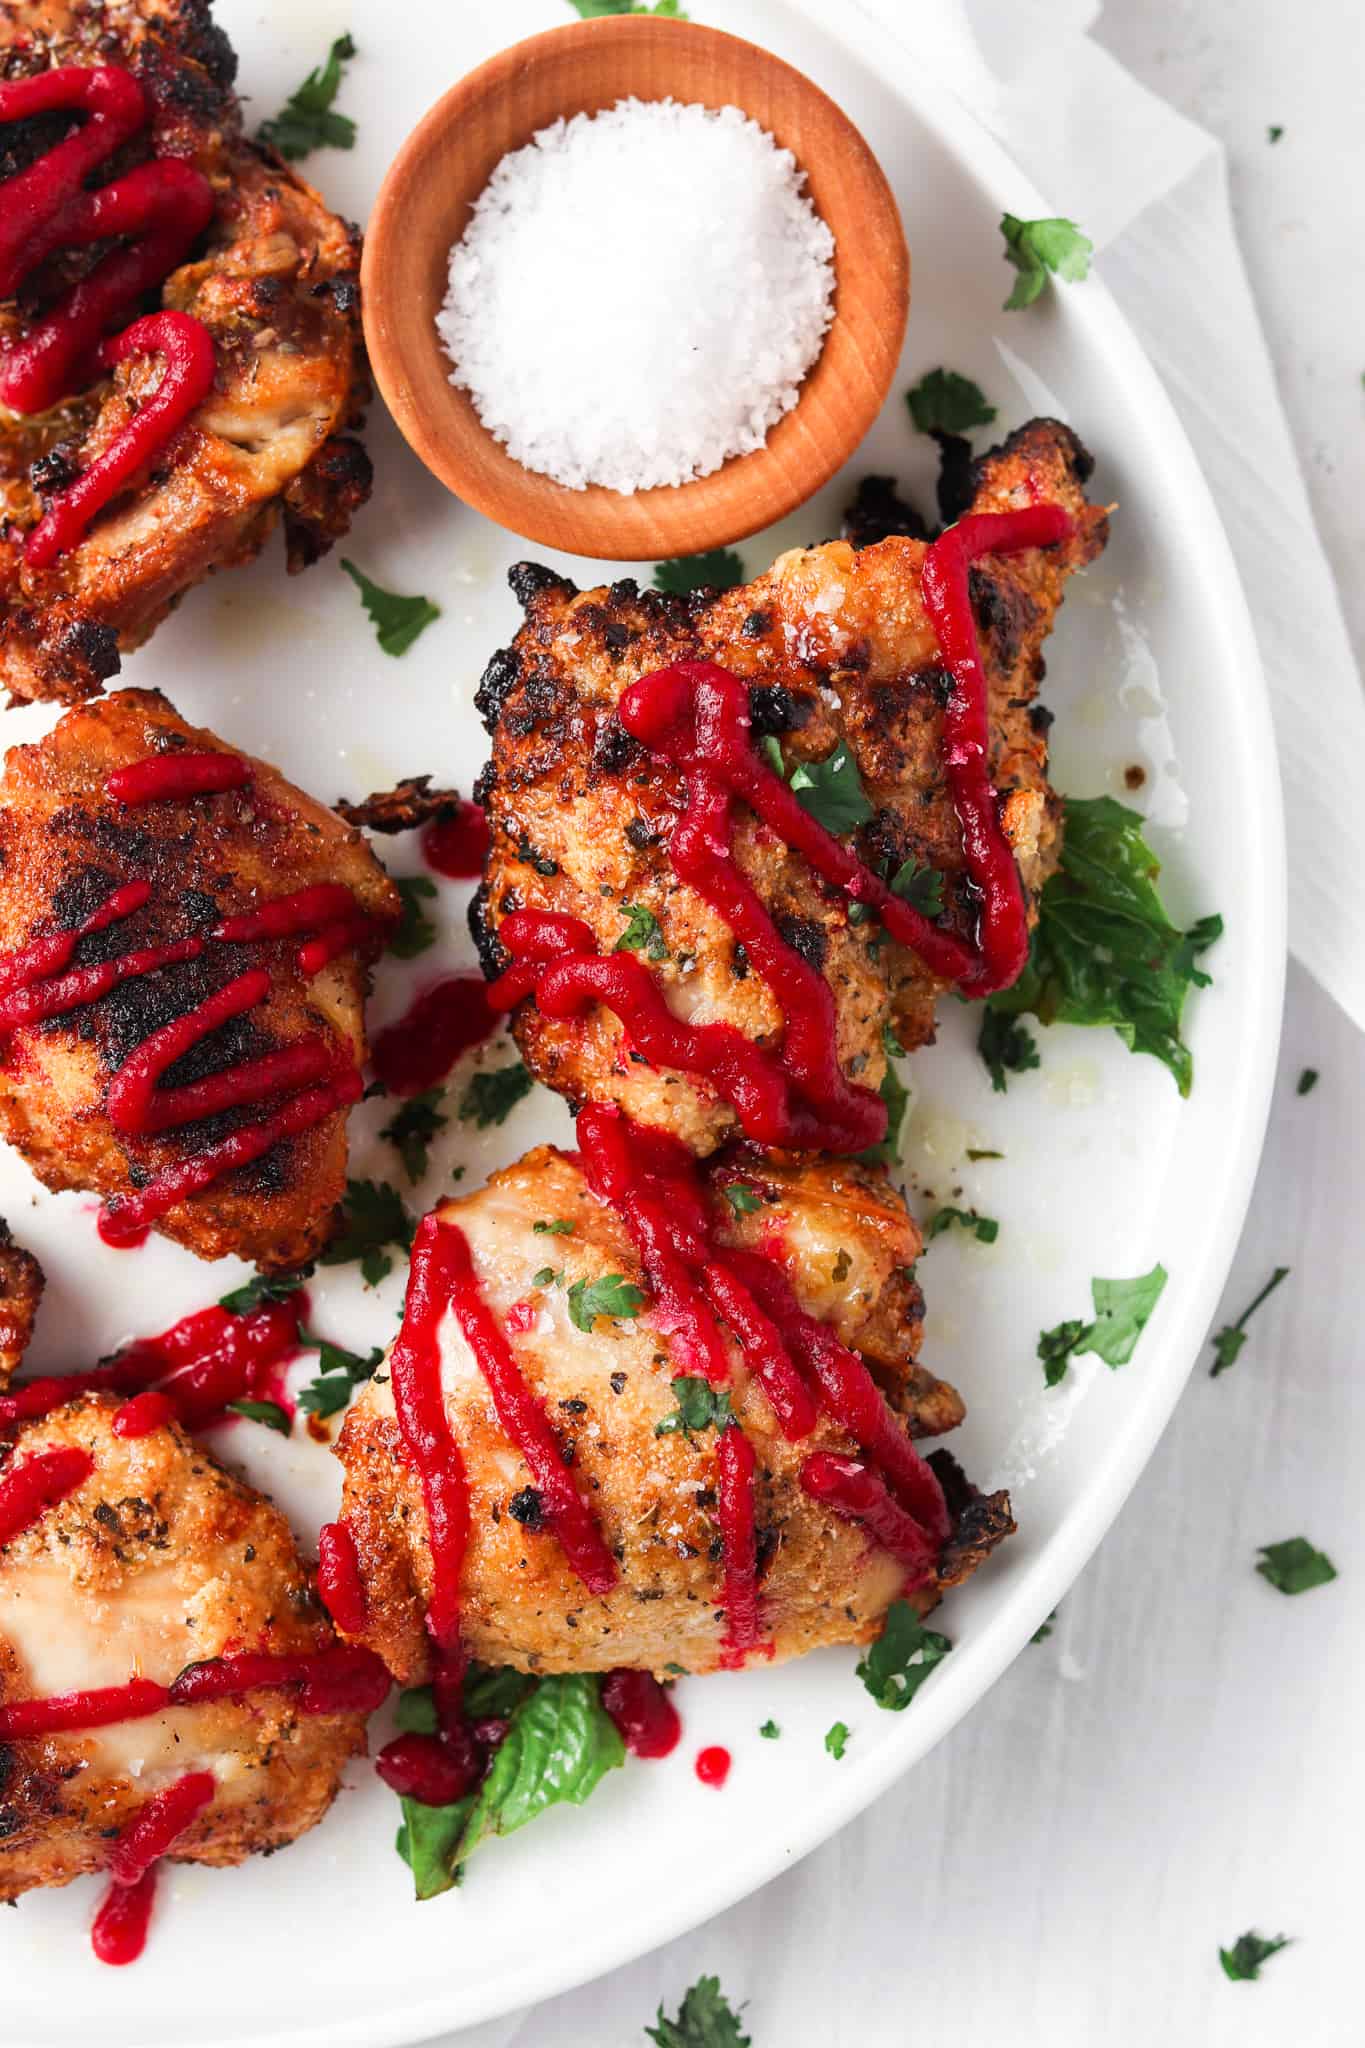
<point x="119" y="1932"/>
<point x="171" y="775"/>
<point x="27" y="1491"/>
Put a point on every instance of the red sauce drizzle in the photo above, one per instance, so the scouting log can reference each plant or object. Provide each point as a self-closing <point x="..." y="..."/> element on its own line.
<point x="163" y="777"/>
<point x="95" y="1707"/>
<point x="456" y="846"/>
<point x="280" y="917"/>
<point x="119" y="1932"/>
<point x="340" y="1679"/>
<point x="415" y="1375"/>
<point x="736" y="1515"/>
<point x="435" y="1031"/>
<point x="643" y="1712"/>
<point x="143" y="1414"/>
<point x="27" y="1491"/>
<point x="339" y="1581"/>
<point x="713" y="1766"/>
<point x="861" y="1496"/>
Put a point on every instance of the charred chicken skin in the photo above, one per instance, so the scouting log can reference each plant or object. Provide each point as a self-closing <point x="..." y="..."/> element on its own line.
<point x="842" y="1239"/>
<point x="21" y="1290"/>
<point x="182" y="982"/>
<point x="838" y="652"/>
<point x="157" y="1560"/>
<point x="273" y="279"/>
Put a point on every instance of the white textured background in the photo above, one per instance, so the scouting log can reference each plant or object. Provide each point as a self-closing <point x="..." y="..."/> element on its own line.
<point x="1181" y="1760"/>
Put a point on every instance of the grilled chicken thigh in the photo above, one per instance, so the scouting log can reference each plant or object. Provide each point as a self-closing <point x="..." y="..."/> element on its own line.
<point x="21" y="1290"/>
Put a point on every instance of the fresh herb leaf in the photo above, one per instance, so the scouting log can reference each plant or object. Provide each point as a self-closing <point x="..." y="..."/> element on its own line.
<point x="1274" y="132"/>
<point x="1044" y="1629"/>
<point x="373" y="1216"/>
<point x="1308" y="1081"/>
<point x="770" y="1731"/>
<point x="706" y="2019"/>
<point x="897" y="1664"/>
<point x="611" y="1296"/>
<point x="1036" y="247"/>
<point x="547" y="1277"/>
<point x="307" y="120"/>
<point x="945" y="403"/>
<point x="1006" y="1047"/>
<point x="642" y="933"/>
<point x="921" y="888"/>
<point x="977" y="1152"/>
<point x="491" y="1097"/>
<point x="1242" y="1962"/>
<point x="1294" y="1566"/>
<point x="560" y="1742"/>
<point x="742" y="1200"/>
<point x="985" y="1227"/>
<point x="429" y="1841"/>
<point x="718" y="569"/>
<point x="771" y="749"/>
<point x="397" y="620"/>
<point x="832" y="791"/>
<point x="836" y="1740"/>
<point x="269" y="1412"/>
<point x="1123" y="1309"/>
<point x="411" y="1131"/>
<point x="554" y="1226"/>
<point x="1229" y="1340"/>
<point x="416" y="1711"/>
<point x="415" y="930"/>
<point x="1104" y="950"/>
<point x="339" y="1373"/>
<point x="700" y="1405"/>
<point x="494" y="1692"/>
<point x="896" y="1096"/>
<point x="262" y="1287"/>
<point x="1055" y="1348"/>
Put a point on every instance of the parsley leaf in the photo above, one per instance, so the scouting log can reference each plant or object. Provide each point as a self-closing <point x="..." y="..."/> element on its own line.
<point x="706" y="2019"/>
<point x="1123" y="1309"/>
<point x="411" y="1131"/>
<point x="836" y="1740"/>
<point x="262" y="1287"/>
<point x="741" y="1199"/>
<point x="1242" y="1962"/>
<point x="921" y="888"/>
<point x="1036" y="247"/>
<point x="1104" y="950"/>
<point x="1274" y="132"/>
<point x="611" y="1296"/>
<point x="307" y="121"/>
<point x="1044" y="1629"/>
<point x="642" y="933"/>
<point x="374" y="1215"/>
<point x="339" y="1373"/>
<point x="770" y="1731"/>
<point x="902" y="1657"/>
<point x="832" y="791"/>
<point x="1055" y="1347"/>
<point x="985" y="1227"/>
<point x="896" y="1096"/>
<point x="944" y="403"/>
<point x="269" y="1412"/>
<point x="552" y="1227"/>
<point x="1294" y="1566"/>
<point x="1229" y="1340"/>
<point x="415" y="931"/>
<point x="1006" y="1047"/>
<point x="975" y="1152"/>
<point x="490" y="1098"/>
<point x="700" y="1405"/>
<point x="1308" y="1081"/>
<point x="718" y="569"/>
<point x="397" y="620"/>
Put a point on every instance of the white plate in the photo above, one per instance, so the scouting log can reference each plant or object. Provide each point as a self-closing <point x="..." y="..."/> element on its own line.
<point x="1106" y="1170"/>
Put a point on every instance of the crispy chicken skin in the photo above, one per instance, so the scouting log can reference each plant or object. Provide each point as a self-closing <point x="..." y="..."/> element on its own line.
<point x="835" y="645"/>
<point x="159" y="1559"/>
<point x="21" y="1290"/>
<point x="65" y="845"/>
<point x="277" y="287"/>
<point x="654" y="1497"/>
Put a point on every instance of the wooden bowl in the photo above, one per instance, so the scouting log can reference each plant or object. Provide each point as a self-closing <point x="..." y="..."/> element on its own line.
<point x="424" y="206"/>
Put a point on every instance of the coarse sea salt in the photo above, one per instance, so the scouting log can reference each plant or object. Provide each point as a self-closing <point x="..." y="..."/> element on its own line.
<point x="639" y="294"/>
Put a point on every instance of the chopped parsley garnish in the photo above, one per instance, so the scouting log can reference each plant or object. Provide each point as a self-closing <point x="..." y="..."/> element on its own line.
<point x="411" y="1131"/>
<point x="1123" y="1309"/>
<point x="1104" y="950"/>
<point x="1006" y="1047"/>
<point x="1036" y="247"/>
<point x="1308" y="1081"/>
<point x="770" y="1731"/>
<point x="985" y="1228"/>
<point x="307" y="120"/>
<point x="897" y="1664"/>
<point x="1242" y="1962"/>
<point x="1294" y="1566"/>
<point x="836" y="1740"/>
<point x="921" y="888"/>
<point x="896" y="1096"/>
<point x="831" y="790"/>
<point x="262" y="1287"/>
<point x="642" y="933"/>
<point x="945" y="403"/>
<point x="717" y="569"/>
<point x="1044" y="1629"/>
<point x="1229" y="1340"/>
<point x="706" y="2019"/>
<point x="373" y="1216"/>
<point x="397" y="620"/>
<point x="415" y="930"/>
<point x="269" y="1412"/>
<point x="552" y="1226"/>
<point x="1274" y="132"/>
<point x="339" y="1373"/>
<point x="742" y="1200"/>
<point x="490" y="1098"/>
<point x="975" y="1152"/>
<point x="700" y="1406"/>
<point x="612" y="1296"/>
<point x="771" y="749"/>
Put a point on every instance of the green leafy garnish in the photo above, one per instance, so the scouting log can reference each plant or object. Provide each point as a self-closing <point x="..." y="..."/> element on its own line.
<point x="397" y="620"/>
<point x="262" y="1287"/>
<point x="373" y="1216"/>
<point x="771" y="749"/>
<point x="985" y="1228"/>
<point x="339" y="1373"/>
<point x="490" y="1098"/>
<point x="269" y="1412"/>
<point x="411" y="1131"/>
<point x="832" y="791"/>
<point x="741" y="1199"/>
<point x="1036" y="247"/>
<point x="700" y="1406"/>
<point x="1308" y="1081"/>
<point x="559" y="1744"/>
<point x="1242" y="1962"/>
<point x="415" y="929"/>
<point x="1294" y="1566"/>
<point x="896" y="1096"/>
<point x="1006" y="1047"/>
<point x="552" y="1226"/>
<point x="897" y="1664"/>
<point x="1274" y="132"/>
<point x="717" y="569"/>
<point x="307" y="120"/>
<point x="921" y="888"/>
<point x="642" y="933"/>
<point x="494" y="1691"/>
<point x="706" y="2019"/>
<point x="770" y="1731"/>
<point x="944" y="403"/>
<point x="547" y="1277"/>
<point x="975" y="1152"/>
<point x="1229" y="1340"/>
<point x="1055" y="1347"/>
<point x="1044" y="1629"/>
<point x="1104" y="950"/>
<point x="1123" y="1309"/>
<point x="611" y="1296"/>
<point x="836" y="1740"/>
<point x="429" y="1842"/>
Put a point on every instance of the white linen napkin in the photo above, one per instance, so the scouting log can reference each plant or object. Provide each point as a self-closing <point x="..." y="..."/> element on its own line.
<point x="1150" y="189"/>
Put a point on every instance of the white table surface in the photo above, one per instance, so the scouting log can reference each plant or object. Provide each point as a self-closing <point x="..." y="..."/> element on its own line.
<point x="1180" y="1761"/>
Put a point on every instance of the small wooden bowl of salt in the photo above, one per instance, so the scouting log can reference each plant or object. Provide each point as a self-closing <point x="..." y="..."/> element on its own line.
<point x="645" y="307"/>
